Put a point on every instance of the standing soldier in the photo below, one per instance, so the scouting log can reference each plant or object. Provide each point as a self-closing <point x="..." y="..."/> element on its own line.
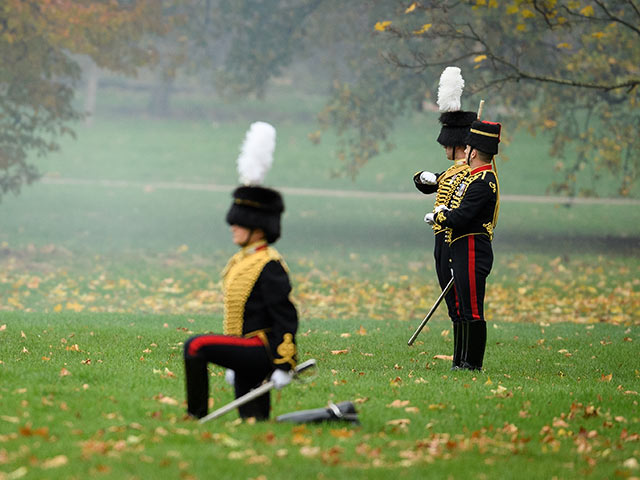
<point x="260" y="321"/>
<point x="453" y="136"/>
<point x="470" y="221"/>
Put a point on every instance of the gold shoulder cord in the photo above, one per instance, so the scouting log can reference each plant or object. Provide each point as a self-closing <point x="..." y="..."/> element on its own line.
<point x="239" y="278"/>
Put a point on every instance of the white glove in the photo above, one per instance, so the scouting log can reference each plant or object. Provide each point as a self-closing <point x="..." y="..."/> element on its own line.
<point x="230" y="376"/>
<point x="429" y="218"/>
<point x="441" y="208"/>
<point x="280" y="378"/>
<point x="428" y="178"/>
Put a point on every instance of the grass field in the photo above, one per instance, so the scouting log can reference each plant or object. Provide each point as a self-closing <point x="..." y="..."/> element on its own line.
<point x="101" y="283"/>
<point x="103" y="395"/>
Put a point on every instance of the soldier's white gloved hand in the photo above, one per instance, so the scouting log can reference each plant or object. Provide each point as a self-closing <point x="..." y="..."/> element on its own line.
<point x="230" y="376"/>
<point x="441" y="208"/>
<point x="428" y="178"/>
<point x="280" y="378"/>
<point x="429" y="218"/>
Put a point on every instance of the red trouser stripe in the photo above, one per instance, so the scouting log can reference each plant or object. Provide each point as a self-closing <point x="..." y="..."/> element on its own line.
<point x="472" y="277"/>
<point x="208" y="340"/>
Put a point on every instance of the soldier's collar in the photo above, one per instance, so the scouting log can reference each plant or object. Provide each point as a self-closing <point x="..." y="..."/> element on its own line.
<point x="480" y="169"/>
<point x="460" y="161"/>
<point x="254" y="247"/>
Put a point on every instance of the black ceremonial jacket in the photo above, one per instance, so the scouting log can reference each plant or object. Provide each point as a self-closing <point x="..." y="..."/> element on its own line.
<point x="256" y="301"/>
<point x="474" y="206"/>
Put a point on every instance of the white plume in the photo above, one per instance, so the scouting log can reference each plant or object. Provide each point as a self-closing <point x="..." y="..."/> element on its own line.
<point x="450" y="90"/>
<point x="256" y="155"/>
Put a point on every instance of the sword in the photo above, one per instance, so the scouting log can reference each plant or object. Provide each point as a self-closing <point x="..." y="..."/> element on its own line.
<point x="255" y="393"/>
<point x="433" y="309"/>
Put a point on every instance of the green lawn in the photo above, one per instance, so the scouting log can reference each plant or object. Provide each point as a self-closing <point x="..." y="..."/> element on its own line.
<point x="103" y="395"/>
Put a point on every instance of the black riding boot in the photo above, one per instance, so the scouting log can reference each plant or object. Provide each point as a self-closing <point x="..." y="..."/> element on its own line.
<point x="457" y="345"/>
<point x="476" y="343"/>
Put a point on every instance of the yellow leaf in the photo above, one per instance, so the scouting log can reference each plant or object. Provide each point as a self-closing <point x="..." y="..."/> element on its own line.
<point x="411" y="7"/>
<point x="563" y="45"/>
<point x="488" y="382"/>
<point x="423" y="29"/>
<point x="479" y="58"/>
<point x="57" y="308"/>
<point x="587" y="11"/>
<point x="382" y="26"/>
<point x="598" y="34"/>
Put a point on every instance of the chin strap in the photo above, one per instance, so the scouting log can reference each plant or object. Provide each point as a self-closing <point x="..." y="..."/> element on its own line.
<point x="245" y="244"/>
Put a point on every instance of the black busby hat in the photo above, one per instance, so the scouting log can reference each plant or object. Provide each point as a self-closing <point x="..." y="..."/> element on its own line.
<point x="455" y="127"/>
<point x="455" y="122"/>
<point x="256" y="206"/>
<point x="484" y="136"/>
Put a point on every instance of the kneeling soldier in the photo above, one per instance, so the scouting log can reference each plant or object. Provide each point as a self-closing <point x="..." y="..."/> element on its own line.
<point x="260" y="321"/>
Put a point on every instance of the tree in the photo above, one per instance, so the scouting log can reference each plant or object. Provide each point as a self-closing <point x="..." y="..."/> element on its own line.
<point x="39" y="44"/>
<point x="565" y="67"/>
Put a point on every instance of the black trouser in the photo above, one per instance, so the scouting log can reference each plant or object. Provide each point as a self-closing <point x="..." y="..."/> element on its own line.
<point x="442" y="255"/>
<point x="247" y="357"/>
<point x="472" y="259"/>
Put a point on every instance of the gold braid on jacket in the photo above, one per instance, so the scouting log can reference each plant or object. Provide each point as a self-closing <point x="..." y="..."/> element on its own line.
<point x="238" y="279"/>
<point x="447" y="184"/>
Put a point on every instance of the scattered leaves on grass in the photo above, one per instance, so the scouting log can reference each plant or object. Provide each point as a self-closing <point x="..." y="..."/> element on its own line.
<point x="605" y="291"/>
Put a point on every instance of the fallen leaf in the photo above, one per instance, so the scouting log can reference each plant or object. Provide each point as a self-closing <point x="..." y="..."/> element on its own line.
<point x="341" y="433"/>
<point x="55" y="462"/>
<point x="401" y="422"/>
<point x="165" y="400"/>
<point x="338" y="352"/>
<point x="443" y="357"/>
<point x="398" y="403"/>
<point x="307" y="451"/>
